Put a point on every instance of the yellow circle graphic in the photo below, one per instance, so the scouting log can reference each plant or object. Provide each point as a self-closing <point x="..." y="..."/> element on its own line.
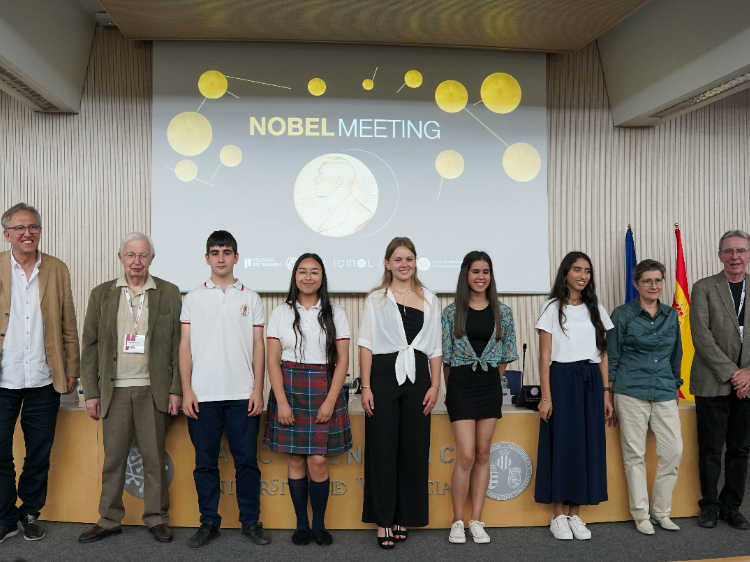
<point x="501" y="92"/>
<point x="521" y="162"/>
<point x="186" y="170"/>
<point x="316" y="86"/>
<point x="212" y="84"/>
<point x="368" y="84"/>
<point x="230" y="155"/>
<point x="189" y="133"/>
<point x="413" y="79"/>
<point x="451" y="96"/>
<point x="449" y="164"/>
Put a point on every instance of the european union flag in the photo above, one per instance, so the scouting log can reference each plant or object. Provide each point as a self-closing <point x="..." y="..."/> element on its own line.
<point x="630" y="263"/>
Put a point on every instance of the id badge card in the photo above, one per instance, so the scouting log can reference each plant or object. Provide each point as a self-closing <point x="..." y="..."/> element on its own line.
<point x="134" y="344"/>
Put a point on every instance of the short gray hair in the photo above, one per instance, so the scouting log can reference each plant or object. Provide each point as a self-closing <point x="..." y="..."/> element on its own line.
<point x="18" y="207"/>
<point x="137" y="236"/>
<point x="734" y="234"/>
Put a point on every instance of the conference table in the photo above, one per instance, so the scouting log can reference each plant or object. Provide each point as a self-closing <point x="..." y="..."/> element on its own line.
<point x="77" y="456"/>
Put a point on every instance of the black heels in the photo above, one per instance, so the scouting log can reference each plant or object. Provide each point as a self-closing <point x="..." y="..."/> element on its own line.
<point x="387" y="538"/>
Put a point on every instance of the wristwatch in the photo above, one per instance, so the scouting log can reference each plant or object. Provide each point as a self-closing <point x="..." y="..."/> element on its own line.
<point x="607" y="389"/>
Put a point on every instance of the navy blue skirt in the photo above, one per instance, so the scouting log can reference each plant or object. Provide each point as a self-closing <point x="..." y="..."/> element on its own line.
<point x="572" y="457"/>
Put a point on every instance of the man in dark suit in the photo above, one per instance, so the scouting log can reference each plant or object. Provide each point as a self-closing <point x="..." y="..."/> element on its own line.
<point x="719" y="380"/>
<point x="131" y="379"/>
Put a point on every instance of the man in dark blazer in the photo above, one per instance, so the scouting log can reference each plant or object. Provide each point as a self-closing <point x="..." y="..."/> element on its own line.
<point x="719" y="380"/>
<point x="131" y="379"/>
<point x="39" y="360"/>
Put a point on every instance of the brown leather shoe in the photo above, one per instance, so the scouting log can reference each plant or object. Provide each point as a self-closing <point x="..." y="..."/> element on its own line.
<point x="97" y="533"/>
<point x="162" y="533"/>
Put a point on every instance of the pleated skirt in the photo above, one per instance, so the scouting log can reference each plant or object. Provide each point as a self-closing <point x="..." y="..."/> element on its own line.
<point x="306" y="388"/>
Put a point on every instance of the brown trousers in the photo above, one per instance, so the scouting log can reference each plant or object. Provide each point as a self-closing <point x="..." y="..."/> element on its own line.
<point x="133" y="408"/>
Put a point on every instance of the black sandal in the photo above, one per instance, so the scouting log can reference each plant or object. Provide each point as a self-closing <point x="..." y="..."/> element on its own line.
<point x="387" y="538"/>
<point x="400" y="534"/>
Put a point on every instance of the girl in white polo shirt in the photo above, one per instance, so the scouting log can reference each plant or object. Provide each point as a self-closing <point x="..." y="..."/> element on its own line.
<point x="400" y="345"/>
<point x="308" y="355"/>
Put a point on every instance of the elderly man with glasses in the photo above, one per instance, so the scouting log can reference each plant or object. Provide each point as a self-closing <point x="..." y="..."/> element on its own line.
<point x="131" y="379"/>
<point x="39" y="361"/>
<point x="719" y="379"/>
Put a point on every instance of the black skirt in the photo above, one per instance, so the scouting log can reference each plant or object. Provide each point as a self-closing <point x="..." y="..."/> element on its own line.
<point x="474" y="395"/>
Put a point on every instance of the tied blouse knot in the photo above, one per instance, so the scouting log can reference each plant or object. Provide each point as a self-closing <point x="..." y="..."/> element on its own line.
<point x="382" y="331"/>
<point x="457" y="352"/>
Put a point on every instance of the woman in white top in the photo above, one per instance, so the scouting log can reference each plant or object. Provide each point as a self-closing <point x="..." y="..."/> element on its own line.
<point x="308" y="355"/>
<point x="571" y="462"/>
<point x="399" y="353"/>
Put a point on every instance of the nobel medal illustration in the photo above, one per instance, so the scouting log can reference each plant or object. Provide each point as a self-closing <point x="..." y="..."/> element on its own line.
<point x="336" y="195"/>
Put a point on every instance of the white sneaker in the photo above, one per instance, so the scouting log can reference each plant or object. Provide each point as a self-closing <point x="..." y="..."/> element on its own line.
<point x="644" y="527"/>
<point x="560" y="528"/>
<point x="476" y="528"/>
<point x="458" y="535"/>
<point x="665" y="523"/>
<point x="579" y="528"/>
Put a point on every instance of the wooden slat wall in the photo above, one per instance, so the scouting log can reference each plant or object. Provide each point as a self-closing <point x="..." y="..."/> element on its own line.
<point x="89" y="175"/>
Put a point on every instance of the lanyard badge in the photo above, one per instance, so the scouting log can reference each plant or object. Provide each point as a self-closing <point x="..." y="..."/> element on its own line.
<point x="739" y="309"/>
<point x="134" y="343"/>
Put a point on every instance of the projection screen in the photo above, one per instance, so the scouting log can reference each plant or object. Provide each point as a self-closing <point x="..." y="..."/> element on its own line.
<point x="336" y="149"/>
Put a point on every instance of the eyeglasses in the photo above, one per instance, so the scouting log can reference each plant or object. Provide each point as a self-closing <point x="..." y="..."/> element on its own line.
<point x="32" y="228"/>
<point x="651" y="282"/>
<point x="728" y="252"/>
<point x="131" y="256"/>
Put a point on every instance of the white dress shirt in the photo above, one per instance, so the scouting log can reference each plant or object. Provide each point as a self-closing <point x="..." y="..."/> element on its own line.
<point x="381" y="330"/>
<point x="24" y="358"/>
<point x="221" y="340"/>
<point x="313" y="349"/>
<point x="578" y="341"/>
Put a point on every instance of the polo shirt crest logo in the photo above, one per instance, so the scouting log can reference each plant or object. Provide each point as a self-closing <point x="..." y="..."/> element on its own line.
<point x="244" y="310"/>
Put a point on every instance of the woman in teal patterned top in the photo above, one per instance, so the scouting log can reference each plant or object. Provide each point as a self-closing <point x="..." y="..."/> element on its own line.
<point x="479" y="340"/>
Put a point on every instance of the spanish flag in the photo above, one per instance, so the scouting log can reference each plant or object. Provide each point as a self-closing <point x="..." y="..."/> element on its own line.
<point x="681" y="304"/>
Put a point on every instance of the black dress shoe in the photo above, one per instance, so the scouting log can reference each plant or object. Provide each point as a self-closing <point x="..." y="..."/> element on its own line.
<point x="204" y="535"/>
<point x="708" y="518"/>
<point x="256" y="533"/>
<point x="735" y="519"/>
<point x="32" y="531"/>
<point x="301" y="537"/>
<point x="323" y="537"/>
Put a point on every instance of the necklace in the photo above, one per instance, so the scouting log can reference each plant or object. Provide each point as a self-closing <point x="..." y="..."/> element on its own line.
<point x="403" y="298"/>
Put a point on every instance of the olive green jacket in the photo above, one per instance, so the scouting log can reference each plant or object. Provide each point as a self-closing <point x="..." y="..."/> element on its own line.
<point x="99" y="341"/>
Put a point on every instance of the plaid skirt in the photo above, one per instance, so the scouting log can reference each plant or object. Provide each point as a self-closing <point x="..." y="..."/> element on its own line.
<point x="306" y="388"/>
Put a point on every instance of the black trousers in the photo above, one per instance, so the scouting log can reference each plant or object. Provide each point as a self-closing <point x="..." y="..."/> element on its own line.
<point x="38" y="408"/>
<point x="723" y="419"/>
<point x="397" y="449"/>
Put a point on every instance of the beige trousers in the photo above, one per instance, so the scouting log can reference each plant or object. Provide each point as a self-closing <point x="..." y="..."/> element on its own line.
<point x="635" y="417"/>
<point x="133" y="408"/>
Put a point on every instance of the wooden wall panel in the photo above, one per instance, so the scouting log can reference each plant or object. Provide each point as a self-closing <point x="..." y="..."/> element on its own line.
<point x="89" y="175"/>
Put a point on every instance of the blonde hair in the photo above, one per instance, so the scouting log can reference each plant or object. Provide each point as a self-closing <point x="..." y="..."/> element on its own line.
<point x="393" y="245"/>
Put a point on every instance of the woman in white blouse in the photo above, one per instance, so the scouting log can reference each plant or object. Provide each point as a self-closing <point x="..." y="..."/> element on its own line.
<point x="308" y="355"/>
<point x="399" y="352"/>
<point x="572" y="457"/>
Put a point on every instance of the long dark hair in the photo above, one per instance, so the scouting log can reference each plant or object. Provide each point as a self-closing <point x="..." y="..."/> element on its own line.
<point x="463" y="295"/>
<point x="561" y="294"/>
<point x="325" y="318"/>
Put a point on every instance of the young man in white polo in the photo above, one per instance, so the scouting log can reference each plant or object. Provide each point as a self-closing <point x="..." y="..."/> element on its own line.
<point x="222" y="364"/>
